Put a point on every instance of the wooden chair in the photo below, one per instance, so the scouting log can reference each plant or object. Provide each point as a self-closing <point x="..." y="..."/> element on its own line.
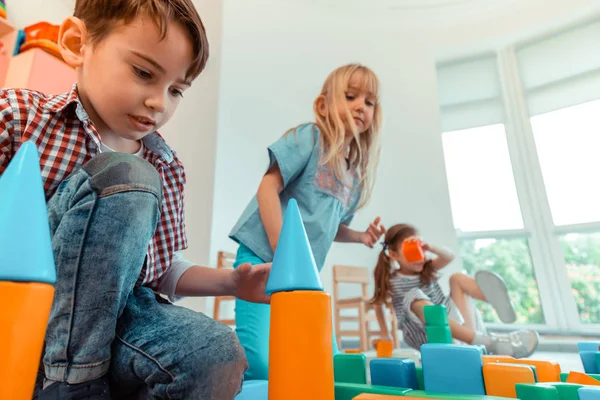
<point x="224" y="260"/>
<point x="358" y="275"/>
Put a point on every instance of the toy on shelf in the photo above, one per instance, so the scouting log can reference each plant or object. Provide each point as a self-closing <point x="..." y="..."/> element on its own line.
<point x="27" y="273"/>
<point x="412" y="250"/>
<point x="42" y="35"/>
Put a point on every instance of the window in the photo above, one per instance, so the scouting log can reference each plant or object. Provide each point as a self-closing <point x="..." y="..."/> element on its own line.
<point x="521" y="133"/>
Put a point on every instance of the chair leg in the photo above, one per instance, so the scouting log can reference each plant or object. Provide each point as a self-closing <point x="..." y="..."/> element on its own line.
<point x="362" y="323"/>
<point x="338" y="328"/>
<point x="216" y="309"/>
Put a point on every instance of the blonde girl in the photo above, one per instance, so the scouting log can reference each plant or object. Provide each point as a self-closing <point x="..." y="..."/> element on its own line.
<point x="328" y="166"/>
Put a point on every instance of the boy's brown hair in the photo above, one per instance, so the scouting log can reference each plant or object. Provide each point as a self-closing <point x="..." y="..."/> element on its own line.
<point x="100" y="16"/>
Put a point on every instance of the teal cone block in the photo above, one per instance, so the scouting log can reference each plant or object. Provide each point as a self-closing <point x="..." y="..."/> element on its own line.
<point x="25" y="243"/>
<point x="294" y="266"/>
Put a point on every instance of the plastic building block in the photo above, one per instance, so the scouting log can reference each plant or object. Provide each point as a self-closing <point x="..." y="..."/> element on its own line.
<point x="589" y="393"/>
<point x="452" y="369"/>
<point x="352" y="351"/>
<point x="27" y="273"/>
<point x="439" y="334"/>
<point x="597" y="359"/>
<point x="254" y="390"/>
<point x="565" y="375"/>
<point x="588" y="346"/>
<point x="372" y="396"/>
<point x="412" y="250"/>
<point x="546" y="371"/>
<point x="536" y="392"/>
<point x="419" y="394"/>
<point x="384" y="348"/>
<point x="581" y="379"/>
<point x="348" y="391"/>
<point x="436" y="315"/>
<point x="396" y="372"/>
<point x="493" y="358"/>
<point x="350" y="368"/>
<point x="420" y="383"/>
<point x="30" y="260"/>
<point x="500" y="379"/>
<point x="588" y="359"/>
<point x="293" y="265"/>
<point x="566" y="391"/>
<point x="301" y="346"/>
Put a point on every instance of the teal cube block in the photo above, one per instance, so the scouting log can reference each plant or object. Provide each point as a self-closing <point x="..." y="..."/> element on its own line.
<point x="350" y="368"/>
<point x="436" y="315"/>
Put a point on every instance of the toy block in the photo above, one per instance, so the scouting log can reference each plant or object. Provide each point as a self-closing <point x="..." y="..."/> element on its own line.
<point x="372" y="396"/>
<point x="294" y="266"/>
<point x="536" y="392"/>
<point x="395" y="372"/>
<point x="30" y="260"/>
<point x="589" y="393"/>
<point x="597" y="359"/>
<point x="588" y="346"/>
<point x="493" y="358"/>
<point x="348" y="391"/>
<point x="32" y="68"/>
<point x="452" y="369"/>
<point x="436" y="315"/>
<point x="412" y="250"/>
<point x="352" y="351"/>
<point x="439" y="334"/>
<point x="254" y="390"/>
<point x="588" y="359"/>
<point x="384" y="348"/>
<point x="350" y="368"/>
<point x="419" y="394"/>
<point x="566" y="391"/>
<point x="500" y="379"/>
<point x="565" y="375"/>
<point x="546" y="371"/>
<point x="581" y="379"/>
<point x="420" y="383"/>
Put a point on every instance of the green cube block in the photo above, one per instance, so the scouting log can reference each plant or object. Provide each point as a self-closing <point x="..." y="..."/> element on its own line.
<point x="536" y="392"/>
<point x="436" y="315"/>
<point x="420" y="383"/>
<point x="348" y="391"/>
<point x="566" y="391"/>
<point x="350" y="368"/>
<point x="429" y="395"/>
<point x="438" y="334"/>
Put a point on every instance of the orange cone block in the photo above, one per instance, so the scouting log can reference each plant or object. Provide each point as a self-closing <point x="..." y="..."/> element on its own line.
<point x="300" y="344"/>
<point x="27" y="274"/>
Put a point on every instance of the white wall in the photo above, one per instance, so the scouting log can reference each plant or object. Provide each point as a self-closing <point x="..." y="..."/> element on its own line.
<point x="276" y="56"/>
<point x="192" y="131"/>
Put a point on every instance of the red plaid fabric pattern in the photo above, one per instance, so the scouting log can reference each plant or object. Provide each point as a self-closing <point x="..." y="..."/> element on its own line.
<point x="66" y="139"/>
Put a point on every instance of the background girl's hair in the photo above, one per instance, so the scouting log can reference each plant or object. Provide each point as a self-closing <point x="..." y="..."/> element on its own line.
<point x="383" y="269"/>
<point x="364" y="151"/>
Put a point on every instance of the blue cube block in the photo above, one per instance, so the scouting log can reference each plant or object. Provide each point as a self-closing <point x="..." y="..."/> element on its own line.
<point x="589" y="393"/>
<point x="588" y="359"/>
<point x="452" y="369"/>
<point x="254" y="390"/>
<point x="588" y="346"/>
<point x="396" y="372"/>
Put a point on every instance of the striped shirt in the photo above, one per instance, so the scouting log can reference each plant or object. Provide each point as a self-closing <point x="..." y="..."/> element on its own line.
<point x="406" y="290"/>
<point x="66" y="139"/>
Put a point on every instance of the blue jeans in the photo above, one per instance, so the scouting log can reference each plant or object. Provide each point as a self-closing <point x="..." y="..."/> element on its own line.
<point x="102" y="219"/>
<point x="252" y="325"/>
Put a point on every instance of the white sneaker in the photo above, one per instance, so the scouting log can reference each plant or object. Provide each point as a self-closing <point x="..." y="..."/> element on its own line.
<point x="517" y="344"/>
<point x="494" y="288"/>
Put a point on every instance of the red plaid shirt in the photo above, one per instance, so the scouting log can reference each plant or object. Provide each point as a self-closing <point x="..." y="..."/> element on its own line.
<point x="66" y="139"/>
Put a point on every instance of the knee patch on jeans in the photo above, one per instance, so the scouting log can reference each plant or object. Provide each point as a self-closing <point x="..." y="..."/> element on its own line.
<point x="117" y="172"/>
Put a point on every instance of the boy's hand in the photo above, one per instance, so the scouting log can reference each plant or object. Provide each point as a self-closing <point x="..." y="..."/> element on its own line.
<point x="373" y="233"/>
<point x="249" y="282"/>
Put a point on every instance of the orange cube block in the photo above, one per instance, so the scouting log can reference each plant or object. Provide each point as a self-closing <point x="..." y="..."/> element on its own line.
<point x="500" y="378"/>
<point x="352" y="351"/>
<point x="547" y="371"/>
<point x="493" y="359"/>
<point x="582" y="379"/>
<point x="37" y="70"/>
<point x="412" y="250"/>
<point x="384" y="348"/>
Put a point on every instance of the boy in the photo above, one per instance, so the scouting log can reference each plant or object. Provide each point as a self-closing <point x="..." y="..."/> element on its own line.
<point x="115" y="203"/>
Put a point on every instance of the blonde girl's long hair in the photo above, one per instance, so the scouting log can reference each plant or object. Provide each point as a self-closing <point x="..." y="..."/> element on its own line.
<point x="363" y="155"/>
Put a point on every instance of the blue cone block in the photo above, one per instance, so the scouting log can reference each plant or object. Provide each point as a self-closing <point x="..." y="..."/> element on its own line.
<point x="254" y="390"/>
<point x="294" y="265"/>
<point x="25" y="243"/>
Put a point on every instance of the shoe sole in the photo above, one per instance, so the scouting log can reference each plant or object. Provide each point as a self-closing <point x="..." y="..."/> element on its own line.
<point x="537" y="342"/>
<point x="494" y="289"/>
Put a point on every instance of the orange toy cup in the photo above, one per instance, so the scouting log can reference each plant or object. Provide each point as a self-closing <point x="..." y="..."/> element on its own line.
<point x="384" y="348"/>
<point x="300" y="346"/>
<point x="24" y="315"/>
<point x="412" y="250"/>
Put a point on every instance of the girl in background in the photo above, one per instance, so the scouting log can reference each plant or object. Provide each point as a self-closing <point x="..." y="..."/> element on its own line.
<point x="413" y="285"/>
<point x="328" y="167"/>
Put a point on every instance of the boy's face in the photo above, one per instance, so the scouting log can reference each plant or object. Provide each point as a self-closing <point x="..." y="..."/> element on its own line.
<point x="131" y="81"/>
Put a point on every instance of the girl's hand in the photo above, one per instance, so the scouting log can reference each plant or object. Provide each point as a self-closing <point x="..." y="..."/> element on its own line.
<point x="250" y="281"/>
<point x="372" y="234"/>
<point x="425" y="246"/>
